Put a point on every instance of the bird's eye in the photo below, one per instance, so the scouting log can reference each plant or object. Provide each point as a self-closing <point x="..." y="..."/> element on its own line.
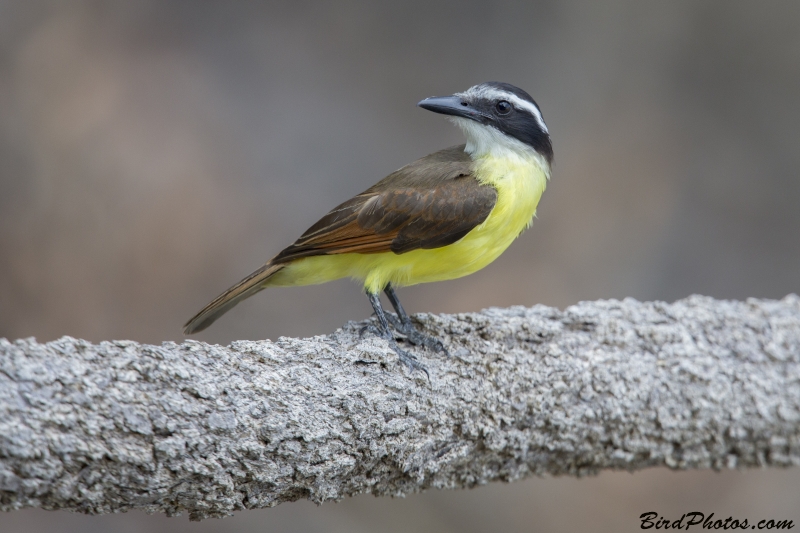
<point x="503" y="107"/>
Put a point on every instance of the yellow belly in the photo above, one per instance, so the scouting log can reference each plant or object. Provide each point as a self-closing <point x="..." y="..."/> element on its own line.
<point x="520" y="183"/>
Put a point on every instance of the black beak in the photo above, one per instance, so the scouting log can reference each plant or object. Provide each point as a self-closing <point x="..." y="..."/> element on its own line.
<point x="453" y="105"/>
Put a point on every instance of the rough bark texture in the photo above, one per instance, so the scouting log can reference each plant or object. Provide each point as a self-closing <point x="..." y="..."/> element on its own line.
<point x="107" y="427"/>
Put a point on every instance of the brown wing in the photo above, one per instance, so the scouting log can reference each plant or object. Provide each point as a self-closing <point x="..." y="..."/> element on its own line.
<point x="432" y="202"/>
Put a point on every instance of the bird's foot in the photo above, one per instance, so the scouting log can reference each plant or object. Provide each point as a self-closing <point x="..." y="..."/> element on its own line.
<point x="406" y="358"/>
<point x="369" y="328"/>
<point x="414" y="336"/>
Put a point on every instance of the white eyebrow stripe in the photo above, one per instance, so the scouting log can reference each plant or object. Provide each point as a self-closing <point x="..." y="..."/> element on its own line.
<point x="491" y="93"/>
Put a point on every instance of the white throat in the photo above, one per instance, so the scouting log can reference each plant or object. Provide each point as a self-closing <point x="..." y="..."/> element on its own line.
<point x="483" y="141"/>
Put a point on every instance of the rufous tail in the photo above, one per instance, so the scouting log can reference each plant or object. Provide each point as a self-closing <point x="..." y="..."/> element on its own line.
<point x="225" y="301"/>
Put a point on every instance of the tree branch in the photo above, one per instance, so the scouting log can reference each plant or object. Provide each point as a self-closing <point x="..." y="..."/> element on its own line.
<point x="100" y="428"/>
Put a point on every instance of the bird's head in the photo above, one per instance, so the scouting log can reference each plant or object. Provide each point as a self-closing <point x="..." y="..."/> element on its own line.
<point x="497" y="118"/>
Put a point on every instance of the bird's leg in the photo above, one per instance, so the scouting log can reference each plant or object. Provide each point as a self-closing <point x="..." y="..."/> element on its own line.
<point x="403" y="324"/>
<point x="406" y="358"/>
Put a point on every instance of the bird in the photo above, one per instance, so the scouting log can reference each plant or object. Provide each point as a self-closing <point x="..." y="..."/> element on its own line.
<point x="443" y="216"/>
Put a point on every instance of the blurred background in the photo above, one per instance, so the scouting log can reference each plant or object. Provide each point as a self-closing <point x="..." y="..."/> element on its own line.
<point x="152" y="153"/>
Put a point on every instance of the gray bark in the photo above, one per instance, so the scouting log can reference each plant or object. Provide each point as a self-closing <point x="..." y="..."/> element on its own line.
<point x="207" y="429"/>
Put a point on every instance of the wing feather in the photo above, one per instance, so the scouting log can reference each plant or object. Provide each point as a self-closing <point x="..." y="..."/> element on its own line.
<point x="433" y="202"/>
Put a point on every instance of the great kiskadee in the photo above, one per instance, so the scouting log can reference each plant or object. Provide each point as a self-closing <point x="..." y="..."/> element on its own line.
<point x="441" y="217"/>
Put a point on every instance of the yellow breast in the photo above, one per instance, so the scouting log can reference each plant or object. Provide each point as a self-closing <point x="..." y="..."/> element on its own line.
<point x="520" y="182"/>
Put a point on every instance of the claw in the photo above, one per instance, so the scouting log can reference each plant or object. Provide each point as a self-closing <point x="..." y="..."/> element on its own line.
<point x="413" y="335"/>
<point x="369" y="328"/>
<point x="408" y="359"/>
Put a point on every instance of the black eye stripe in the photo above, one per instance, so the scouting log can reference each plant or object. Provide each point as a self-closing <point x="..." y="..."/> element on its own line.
<point x="521" y="122"/>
